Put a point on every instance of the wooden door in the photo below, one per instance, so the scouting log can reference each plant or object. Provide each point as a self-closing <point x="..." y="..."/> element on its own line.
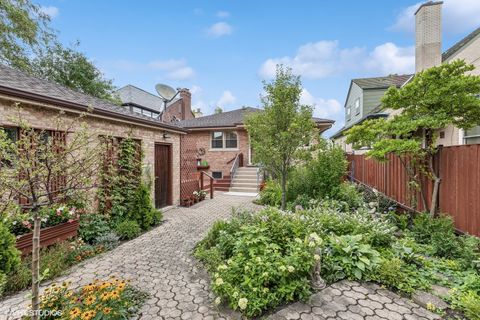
<point x="163" y="175"/>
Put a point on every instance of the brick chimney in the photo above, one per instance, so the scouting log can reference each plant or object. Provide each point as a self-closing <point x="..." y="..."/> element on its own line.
<point x="186" y="103"/>
<point x="428" y="35"/>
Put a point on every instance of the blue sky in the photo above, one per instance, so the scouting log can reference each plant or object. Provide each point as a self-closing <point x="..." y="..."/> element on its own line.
<point x="222" y="50"/>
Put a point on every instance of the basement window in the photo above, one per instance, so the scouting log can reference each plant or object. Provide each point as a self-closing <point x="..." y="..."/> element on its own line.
<point x="217" y="174"/>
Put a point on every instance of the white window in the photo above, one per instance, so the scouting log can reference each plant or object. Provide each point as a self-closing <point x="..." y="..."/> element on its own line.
<point x="348" y="112"/>
<point x="224" y="140"/>
<point x="357" y="106"/>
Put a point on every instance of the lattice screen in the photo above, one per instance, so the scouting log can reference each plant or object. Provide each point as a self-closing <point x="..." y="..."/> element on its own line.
<point x="189" y="179"/>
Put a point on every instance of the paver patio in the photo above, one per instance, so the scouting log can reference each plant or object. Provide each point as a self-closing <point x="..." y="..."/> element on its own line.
<point x="160" y="263"/>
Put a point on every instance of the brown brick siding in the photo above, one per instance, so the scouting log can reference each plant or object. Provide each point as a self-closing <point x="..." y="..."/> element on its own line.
<point x="217" y="159"/>
<point x="39" y="116"/>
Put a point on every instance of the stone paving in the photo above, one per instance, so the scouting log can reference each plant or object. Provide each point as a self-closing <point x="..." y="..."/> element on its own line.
<point x="160" y="263"/>
<point x="351" y="300"/>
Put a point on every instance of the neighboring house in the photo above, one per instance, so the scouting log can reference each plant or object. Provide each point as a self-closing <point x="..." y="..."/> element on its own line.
<point x="428" y="43"/>
<point x="363" y="99"/>
<point x="221" y="137"/>
<point x="150" y="105"/>
<point x="41" y="100"/>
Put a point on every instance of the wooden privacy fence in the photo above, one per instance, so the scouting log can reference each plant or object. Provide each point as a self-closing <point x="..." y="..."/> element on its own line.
<point x="459" y="196"/>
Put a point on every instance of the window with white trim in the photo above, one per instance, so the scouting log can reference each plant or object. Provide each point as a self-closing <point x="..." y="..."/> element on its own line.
<point x="357" y="106"/>
<point x="224" y="140"/>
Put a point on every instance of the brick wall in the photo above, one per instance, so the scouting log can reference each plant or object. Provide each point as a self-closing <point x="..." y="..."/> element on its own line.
<point x="39" y="116"/>
<point x="217" y="159"/>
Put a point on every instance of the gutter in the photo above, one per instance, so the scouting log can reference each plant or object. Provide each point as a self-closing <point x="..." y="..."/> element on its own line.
<point x="52" y="102"/>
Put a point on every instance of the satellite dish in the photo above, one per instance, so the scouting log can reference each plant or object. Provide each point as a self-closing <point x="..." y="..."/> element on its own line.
<point x="165" y="92"/>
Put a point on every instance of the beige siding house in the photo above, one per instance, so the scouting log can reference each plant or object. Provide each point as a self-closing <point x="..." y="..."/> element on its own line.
<point x="428" y="43"/>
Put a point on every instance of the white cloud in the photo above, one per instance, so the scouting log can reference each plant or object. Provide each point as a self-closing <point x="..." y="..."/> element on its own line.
<point x="50" y="11"/>
<point x="223" y="14"/>
<point x="458" y="16"/>
<point x="183" y="73"/>
<point x="219" y="29"/>
<point x="326" y="58"/>
<point x="323" y="108"/>
<point x="389" y="58"/>
<point x="227" y="98"/>
<point x="195" y="89"/>
<point x="167" y="64"/>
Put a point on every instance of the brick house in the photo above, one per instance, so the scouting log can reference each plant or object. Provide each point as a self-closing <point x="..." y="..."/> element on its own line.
<point x="40" y="100"/>
<point x="222" y="139"/>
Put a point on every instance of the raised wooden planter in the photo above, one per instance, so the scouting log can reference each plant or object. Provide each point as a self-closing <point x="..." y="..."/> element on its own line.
<point x="48" y="236"/>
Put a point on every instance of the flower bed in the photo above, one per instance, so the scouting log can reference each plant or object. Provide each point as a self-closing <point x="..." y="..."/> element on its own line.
<point x="112" y="299"/>
<point x="48" y="236"/>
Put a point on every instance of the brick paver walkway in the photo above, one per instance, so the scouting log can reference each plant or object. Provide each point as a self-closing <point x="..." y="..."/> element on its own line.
<point x="160" y="263"/>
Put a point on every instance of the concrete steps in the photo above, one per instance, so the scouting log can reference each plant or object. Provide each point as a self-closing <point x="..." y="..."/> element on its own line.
<point x="245" y="180"/>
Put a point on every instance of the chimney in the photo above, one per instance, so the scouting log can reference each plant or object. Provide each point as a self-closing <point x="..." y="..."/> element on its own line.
<point x="186" y="103"/>
<point x="428" y="35"/>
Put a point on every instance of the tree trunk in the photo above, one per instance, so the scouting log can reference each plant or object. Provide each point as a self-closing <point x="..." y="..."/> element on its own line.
<point x="436" y="188"/>
<point x="284" y="190"/>
<point x="36" y="266"/>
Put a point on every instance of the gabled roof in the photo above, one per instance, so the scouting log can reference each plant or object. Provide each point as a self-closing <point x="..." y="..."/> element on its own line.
<point x="460" y="44"/>
<point x="230" y="119"/>
<point x="224" y="119"/>
<point x="131" y="95"/>
<point x="340" y="132"/>
<point x="19" y="84"/>
<point x="382" y="82"/>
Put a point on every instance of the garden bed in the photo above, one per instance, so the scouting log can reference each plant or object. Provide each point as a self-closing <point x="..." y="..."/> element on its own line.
<point x="48" y="236"/>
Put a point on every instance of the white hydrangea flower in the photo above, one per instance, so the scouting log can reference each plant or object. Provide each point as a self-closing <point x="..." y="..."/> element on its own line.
<point x="218" y="300"/>
<point x="290" y="268"/>
<point x="219" y="281"/>
<point x="242" y="303"/>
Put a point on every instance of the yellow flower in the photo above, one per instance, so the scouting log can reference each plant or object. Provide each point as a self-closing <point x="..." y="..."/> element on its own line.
<point x="107" y="310"/>
<point x="90" y="300"/>
<point x="114" y="294"/>
<point x="121" y="286"/>
<point x="74" y="312"/>
<point x="105" y="296"/>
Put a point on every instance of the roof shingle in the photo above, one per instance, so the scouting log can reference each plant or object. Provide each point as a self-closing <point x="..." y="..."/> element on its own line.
<point x="17" y="80"/>
<point x="382" y="82"/>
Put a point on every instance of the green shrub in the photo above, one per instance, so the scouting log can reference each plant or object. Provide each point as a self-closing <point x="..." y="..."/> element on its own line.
<point x="109" y="240"/>
<point x="391" y="272"/>
<point x="128" y="229"/>
<point x="3" y="282"/>
<point x="467" y="297"/>
<point x="259" y="261"/>
<point x="384" y="204"/>
<point x="9" y="255"/>
<point x="271" y="195"/>
<point x="92" y="226"/>
<point x="437" y="232"/>
<point x="348" y="193"/>
<point x="142" y="210"/>
<point x="321" y="176"/>
<point x="157" y="217"/>
<point x="347" y="257"/>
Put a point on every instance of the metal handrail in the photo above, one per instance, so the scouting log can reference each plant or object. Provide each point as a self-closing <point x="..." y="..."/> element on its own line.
<point x="211" y="182"/>
<point x="235" y="165"/>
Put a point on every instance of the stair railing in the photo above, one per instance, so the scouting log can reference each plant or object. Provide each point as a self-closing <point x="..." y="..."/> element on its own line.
<point x="236" y="164"/>
<point x="202" y="173"/>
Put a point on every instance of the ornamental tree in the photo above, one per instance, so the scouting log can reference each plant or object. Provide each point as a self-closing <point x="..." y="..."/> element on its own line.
<point x="43" y="167"/>
<point x="279" y="132"/>
<point x="435" y="98"/>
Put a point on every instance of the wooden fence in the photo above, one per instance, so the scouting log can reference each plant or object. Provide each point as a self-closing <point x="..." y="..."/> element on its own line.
<point x="459" y="196"/>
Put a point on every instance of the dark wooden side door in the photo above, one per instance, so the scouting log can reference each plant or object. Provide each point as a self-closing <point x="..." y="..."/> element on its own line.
<point x="163" y="175"/>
